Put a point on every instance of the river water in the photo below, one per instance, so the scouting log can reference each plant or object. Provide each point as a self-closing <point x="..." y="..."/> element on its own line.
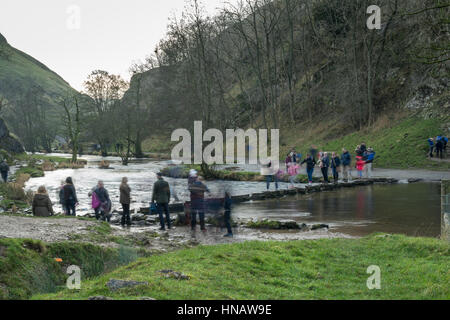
<point x="412" y="209"/>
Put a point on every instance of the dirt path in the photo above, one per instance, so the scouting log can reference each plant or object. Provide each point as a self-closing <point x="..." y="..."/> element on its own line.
<point x="49" y="230"/>
<point x="55" y="230"/>
<point x="399" y="174"/>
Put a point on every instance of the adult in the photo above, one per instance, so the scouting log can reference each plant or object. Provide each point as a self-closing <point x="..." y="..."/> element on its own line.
<point x="313" y="152"/>
<point x="294" y="155"/>
<point x="445" y="143"/>
<point x="358" y="151"/>
<point x="325" y="166"/>
<point x="193" y="175"/>
<point x="270" y="173"/>
<point x="288" y="161"/>
<point x="310" y="164"/>
<point x="369" y="157"/>
<point x="125" y="201"/>
<point x="197" y="192"/>
<point x="61" y="196"/>
<point x="70" y="197"/>
<point x="104" y="207"/>
<point x="335" y="164"/>
<point x="227" y="214"/>
<point x="431" y="145"/>
<point x="42" y="205"/>
<point x="439" y="147"/>
<point x="4" y="170"/>
<point x="161" y="196"/>
<point x="346" y="160"/>
<point x="363" y="147"/>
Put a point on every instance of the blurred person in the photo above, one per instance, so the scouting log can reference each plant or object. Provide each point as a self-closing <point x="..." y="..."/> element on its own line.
<point x="161" y="196"/>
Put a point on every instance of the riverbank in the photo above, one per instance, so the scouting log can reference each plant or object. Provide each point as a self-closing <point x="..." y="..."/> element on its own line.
<point x="321" y="269"/>
<point x="29" y="247"/>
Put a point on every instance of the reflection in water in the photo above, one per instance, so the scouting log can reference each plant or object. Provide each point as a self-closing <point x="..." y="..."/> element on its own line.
<point x="412" y="209"/>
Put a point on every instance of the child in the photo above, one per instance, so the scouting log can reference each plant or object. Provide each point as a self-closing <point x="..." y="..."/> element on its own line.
<point x="293" y="173"/>
<point x="360" y="166"/>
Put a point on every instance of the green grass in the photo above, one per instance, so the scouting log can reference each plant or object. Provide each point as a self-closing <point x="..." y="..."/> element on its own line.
<point x="34" y="172"/>
<point x="28" y="266"/>
<point x="403" y="145"/>
<point x="411" y="268"/>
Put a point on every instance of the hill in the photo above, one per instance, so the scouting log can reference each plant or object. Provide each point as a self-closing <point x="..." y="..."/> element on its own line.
<point x="30" y="95"/>
<point x="314" y="70"/>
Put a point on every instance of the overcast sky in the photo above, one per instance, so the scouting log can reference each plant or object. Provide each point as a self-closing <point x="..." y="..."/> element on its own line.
<point x="109" y="35"/>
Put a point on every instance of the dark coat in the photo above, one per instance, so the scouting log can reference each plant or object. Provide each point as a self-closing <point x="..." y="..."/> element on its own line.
<point x="161" y="192"/>
<point x="42" y="206"/>
<point x="102" y="195"/>
<point x="70" y="195"/>
<point x="197" y="190"/>
<point x="4" y="167"/>
<point x="310" y="163"/>
<point x="325" y="162"/>
<point x="125" y="194"/>
<point x="346" y="159"/>
<point x="335" y="162"/>
<point x="227" y="203"/>
<point x="61" y="196"/>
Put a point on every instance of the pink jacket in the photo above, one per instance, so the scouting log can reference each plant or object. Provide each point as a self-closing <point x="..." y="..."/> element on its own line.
<point x="293" y="169"/>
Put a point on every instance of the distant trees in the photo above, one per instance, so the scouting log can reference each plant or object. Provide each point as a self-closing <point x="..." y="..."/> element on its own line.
<point x="105" y="90"/>
<point x="73" y="123"/>
<point x="274" y="63"/>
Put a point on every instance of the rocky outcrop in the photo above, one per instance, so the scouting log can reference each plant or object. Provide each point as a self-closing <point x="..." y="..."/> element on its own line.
<point x="7" y="141"/>
<point x="114" y="284"/>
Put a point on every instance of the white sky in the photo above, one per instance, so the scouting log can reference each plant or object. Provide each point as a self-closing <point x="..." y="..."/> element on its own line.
<point x="112" y="33"/>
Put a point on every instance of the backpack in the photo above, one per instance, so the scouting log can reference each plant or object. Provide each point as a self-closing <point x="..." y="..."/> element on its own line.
<point x="95" y="201"/>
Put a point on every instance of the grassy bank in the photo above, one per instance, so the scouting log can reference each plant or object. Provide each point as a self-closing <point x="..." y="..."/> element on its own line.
<point x="28" y="266"/>
<point x="399" y="143"/>
<point x="412" y="268"/>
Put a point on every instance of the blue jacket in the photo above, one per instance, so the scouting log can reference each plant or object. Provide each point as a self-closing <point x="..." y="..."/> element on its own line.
<point x="430" y="142"/>
<point x="335" y="162"/>
<point x="346" y="159"/>
<point x="326" y="162"/>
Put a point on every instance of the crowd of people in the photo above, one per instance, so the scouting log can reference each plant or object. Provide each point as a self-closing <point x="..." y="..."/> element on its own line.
<point x="438" y="145"/>
<point x="161" y="196"/>
<point x="326" y="161"/>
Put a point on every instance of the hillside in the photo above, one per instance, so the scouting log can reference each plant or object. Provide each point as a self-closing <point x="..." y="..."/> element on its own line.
<point x="314" y="71"/>
<point x="30" y="92"/>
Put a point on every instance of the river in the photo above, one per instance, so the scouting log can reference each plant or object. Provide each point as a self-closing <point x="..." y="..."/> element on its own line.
<point x="411" y="209"/>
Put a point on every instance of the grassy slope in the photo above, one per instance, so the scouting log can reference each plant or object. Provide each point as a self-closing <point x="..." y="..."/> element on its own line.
<point x="28" y="266"/>
<point x="24" y="69"/>
<point x="412" y="268"/>
<point x="399" y="143"/>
